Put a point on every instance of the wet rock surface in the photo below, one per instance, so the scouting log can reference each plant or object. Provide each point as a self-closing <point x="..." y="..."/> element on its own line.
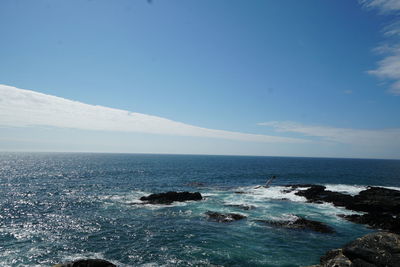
<point x="169" y="197"/>
<point x="372" y="250"/>
<point x="224" y="217"/>
<point x="300" y="224"/>
<point x="87" y="263"/>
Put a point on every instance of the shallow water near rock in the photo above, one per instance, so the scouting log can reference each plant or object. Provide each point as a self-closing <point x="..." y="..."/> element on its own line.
<point x="62" y="206"/>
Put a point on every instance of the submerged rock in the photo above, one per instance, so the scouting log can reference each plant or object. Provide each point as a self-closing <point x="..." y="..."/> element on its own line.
<point x="169" y="197"/>
<point x="87" y="263"/>
<point x="376" y="249"/>
<point x="224" y="217"/>
<point x="240" y="206"/>
<point x="301" y="224"/>
<point x="195" y="184"/>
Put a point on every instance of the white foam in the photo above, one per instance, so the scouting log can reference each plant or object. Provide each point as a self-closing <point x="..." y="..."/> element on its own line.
<point x="284" y="217"/>
<point x="275" y="192"/>
<point x="347" y="189"/>
<point x="353" y="189"/>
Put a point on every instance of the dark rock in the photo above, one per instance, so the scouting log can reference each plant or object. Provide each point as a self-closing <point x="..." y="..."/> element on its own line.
<point x="377" y="199"/>
<point x="376" y="220"/>
<point x="87" y="263"/>
<point x="381" y="204"/>
<point x="335" y="258"/>
<point x="243" y="207"/>
<point x="169" y="197"/>
<point x="318" y="194"/>
<point x="301" y="224"/>
<point x="240" y="192"/>
<point x="372" y="250"/>
<point x="224" y="217"/>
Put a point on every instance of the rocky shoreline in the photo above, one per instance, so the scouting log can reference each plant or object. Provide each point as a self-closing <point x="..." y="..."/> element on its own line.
<point x="380" y="208"/>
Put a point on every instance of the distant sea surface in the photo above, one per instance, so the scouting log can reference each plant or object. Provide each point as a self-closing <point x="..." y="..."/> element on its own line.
<point x="56" y="207"/>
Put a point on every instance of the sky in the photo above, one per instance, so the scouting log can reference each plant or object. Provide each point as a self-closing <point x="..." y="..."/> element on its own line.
<point x="312" y="78"/>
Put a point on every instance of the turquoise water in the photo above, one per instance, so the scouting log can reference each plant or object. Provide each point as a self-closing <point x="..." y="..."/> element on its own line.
<point x="59" y="207"/>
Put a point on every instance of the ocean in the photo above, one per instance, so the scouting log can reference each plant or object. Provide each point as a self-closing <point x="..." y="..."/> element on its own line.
<point x="57" y="207"/>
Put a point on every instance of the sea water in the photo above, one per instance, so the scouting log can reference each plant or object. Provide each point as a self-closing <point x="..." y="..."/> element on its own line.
<point x="56" y="207"/>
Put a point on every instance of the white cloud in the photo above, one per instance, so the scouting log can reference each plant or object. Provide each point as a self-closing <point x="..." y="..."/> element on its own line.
<point x="24" y="108"/>
<point x="363" y="137"/>
<point x="389" y="67"/>
<point x="383" y="5"/>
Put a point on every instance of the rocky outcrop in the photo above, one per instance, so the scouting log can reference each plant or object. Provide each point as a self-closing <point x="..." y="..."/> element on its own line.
<point x="169" y="197"/>
<point x="318" y="194"/>
<point x="301" y="224"/>
<point x="376" y="220"/>
<point x="224" y="217"/>
<point x="377" y="200"/>
<point x="382" y="205"/>
<point x="87" y="263"/>
<point x="380" y="249"/>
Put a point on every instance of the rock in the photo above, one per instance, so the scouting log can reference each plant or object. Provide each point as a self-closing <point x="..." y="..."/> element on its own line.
<point x="376" y="220"/>
<point x="301" y="224"/>
<point x="381" y="204"/>
<point x="377" y="199"/>
<point x="87" y="263"/>
<point x="240" y="192"/>
<point x="318" y="194"/>
<point x="243" y="207"/>
<point x="335" y="258"/>
<point x="372" y="250"/>
<point x="224" y="217"/>
<point x="169" y="197"/>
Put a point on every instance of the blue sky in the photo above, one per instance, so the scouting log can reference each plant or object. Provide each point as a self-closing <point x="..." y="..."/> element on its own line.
<point x="323" y="74"/>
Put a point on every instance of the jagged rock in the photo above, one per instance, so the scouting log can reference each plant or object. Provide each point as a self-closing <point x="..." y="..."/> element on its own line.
<point x="169" y="197"/>
<point x="372" y="250"/>
<point x="87" y="263"/>
<point x="301" y="224"/>
<point x="224" y="217"/>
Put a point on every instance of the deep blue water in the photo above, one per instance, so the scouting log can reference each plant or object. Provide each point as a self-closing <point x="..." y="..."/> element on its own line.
<point x="56" y="207"/>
